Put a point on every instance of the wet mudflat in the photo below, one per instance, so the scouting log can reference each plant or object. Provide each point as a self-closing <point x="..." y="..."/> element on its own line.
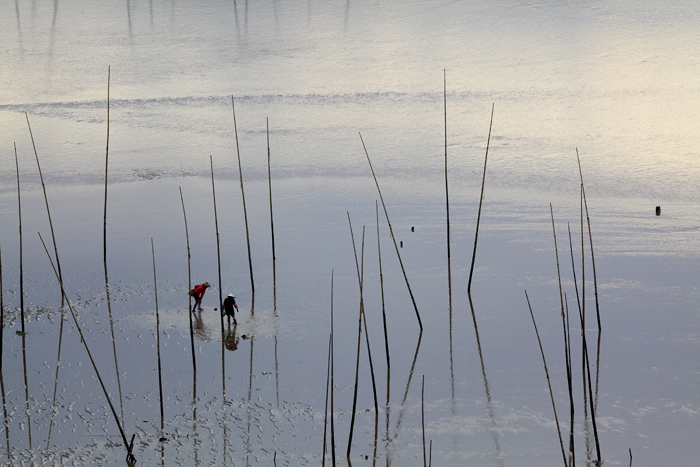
<point x="321" y="74"/>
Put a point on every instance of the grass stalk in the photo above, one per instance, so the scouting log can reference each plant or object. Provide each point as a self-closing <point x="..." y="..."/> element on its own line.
<point x="130" y="456"/>
<point x="245" y="212"/>
<point x="481" y="199"/>
<point x="391" y="230"/>
<point x="546" y="371"/>
<point x="189" y="283"/>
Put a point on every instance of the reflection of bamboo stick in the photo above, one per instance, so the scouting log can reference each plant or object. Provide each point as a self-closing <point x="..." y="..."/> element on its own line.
<point x="546" y="371"/>
<point x="160" y="377"/>
<point x="21" y="266"/>
<point x="46" y="200"/>
<point x="391" y="231"/>
<point x="55" y="384"/>
<point x="567" y="355"/>
<point x="26" y="389"/>
<point x="272" y="221"/>
<point x="130" y="456"/>
<point x="189" y="284"/>
<point x="245" y="212"/>
<point x="489" y="402"/>
<point x="408" y="385"/>
<point x="5" y="421"/>
<point x="364" y="319"/>
<point x="481" y="199"/>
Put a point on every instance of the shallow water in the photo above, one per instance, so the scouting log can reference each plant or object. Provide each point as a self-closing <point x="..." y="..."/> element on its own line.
<point x="618" y="82"/>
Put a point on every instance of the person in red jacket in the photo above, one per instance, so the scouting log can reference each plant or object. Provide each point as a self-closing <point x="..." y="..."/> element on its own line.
<point x="198" y="292"/>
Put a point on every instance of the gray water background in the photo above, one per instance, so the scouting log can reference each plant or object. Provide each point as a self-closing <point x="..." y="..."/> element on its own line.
<point x="617" y="82"/>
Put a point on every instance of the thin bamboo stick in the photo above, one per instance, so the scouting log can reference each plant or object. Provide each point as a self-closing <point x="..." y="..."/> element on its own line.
<point x="130" y="456"/>
<point x="160" y="376"/>
<point x="546" y="371"/>
<point x="386" y="335"/>
<point x="422" y="418"/>
<point x="364" y="319"/>
<point x="46" y="199"/>
<point x="55" y="384"/>
<point x="218" y="246"/>
<point x="570" y="383"/>
<point x="104" y="258"/>
<point x="357" y="361"/>
<point x="590" y="237"/>
<point x="325" y="416"/>
<point x="245" y="212"/>
<point x="481" y="199"/>
<point x="391" y="230"/>
<point x="21" y="264"/>
<point x="566" y="344"/>
<point x="332" y="379"/>
<point x="447" y="207"/>
<point x="5" y="421"/>
<point x="272" y="221"/>
<point x="189" y="284"/>
<point x="408" y="385"/>
<point x="2" y="314"/>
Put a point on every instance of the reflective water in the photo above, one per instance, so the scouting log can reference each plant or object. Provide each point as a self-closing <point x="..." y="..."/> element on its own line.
<point x="617" y="82"/>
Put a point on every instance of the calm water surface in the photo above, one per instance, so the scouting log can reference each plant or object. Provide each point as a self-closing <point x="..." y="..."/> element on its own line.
<point x="617" y="82"/>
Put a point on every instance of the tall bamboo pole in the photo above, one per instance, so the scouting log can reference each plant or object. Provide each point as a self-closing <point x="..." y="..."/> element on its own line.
<point x="272" y="221"/>
<point x="422" y="418"/>
<point x="447" y="207"/>
<point x="332" y="379"/>
<point x="546" y="371"/>
<point x="189" y="287"/>
<point x="21" y="264"/>
<point x="391" y="230"/>
<point x="46" y="199"/>
<point x="218" y="244"/>
<point x="481" y="199"/>
<point x="160" y="372"/>
<point x="130" y="456"/>
<point x="104" y="237"/>
<point x="245" y="212"/>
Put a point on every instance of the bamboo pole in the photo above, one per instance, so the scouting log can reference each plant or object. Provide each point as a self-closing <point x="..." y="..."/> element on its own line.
<point x="5" y="421"/>
<point x="245" y="212"/>
<point x="2" y="314"/>
<point x="104" y="258"/>
<point x="46" y="199"/>
<point x="422" y="418"/>
<point x="570" y="383"/>
<point x="21" y="264"/>
<point x="160" y="372"/>
<point x="447" y="207"/>
<point x="364" y="319"/>
<point x="325" y="416"/>
<point x="590" y="237"/>
<point x="549" y="384"/>
<point x="391" y="231"/>
<point x="218" y="246"/>
<point x="189" y="284"/>
<point x="567" y="355"/>
<point x="359" y="335"/>
<point x="481" y="199"/>
<point x="332" y="379"/>
<point x="130" y="456"/>
<point x="272" y="221"/>
<point x="386" y="336"/>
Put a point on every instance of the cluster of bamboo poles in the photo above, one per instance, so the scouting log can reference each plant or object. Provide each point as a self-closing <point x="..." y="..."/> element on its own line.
<point x="590" y="401"/>
<point x="119" y="419"/>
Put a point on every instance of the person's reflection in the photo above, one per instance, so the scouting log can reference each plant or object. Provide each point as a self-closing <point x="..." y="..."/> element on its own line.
<point x="200" y="329"/>
<point x="231" y="338"/>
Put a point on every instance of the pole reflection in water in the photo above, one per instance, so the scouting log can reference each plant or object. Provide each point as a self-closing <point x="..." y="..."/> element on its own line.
<point x="489" y="403"/>
<point x="55" y="385"/>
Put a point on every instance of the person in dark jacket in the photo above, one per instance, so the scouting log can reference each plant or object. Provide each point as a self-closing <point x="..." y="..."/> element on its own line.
<point x="227" y="308"/>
